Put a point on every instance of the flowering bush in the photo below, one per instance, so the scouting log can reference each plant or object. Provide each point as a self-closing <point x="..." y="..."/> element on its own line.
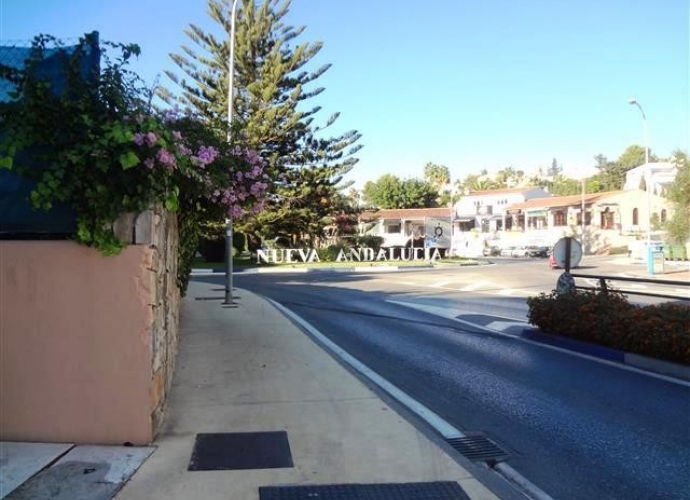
<point x="608" y="319"/>
<point x="97" y="145"/>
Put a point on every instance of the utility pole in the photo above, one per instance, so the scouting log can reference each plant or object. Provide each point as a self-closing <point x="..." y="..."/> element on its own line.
<point x="231" y="94"/>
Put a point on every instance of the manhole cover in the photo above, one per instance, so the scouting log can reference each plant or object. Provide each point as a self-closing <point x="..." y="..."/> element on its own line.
<point x="247" y="450"/>
<point x="440" y="490"/>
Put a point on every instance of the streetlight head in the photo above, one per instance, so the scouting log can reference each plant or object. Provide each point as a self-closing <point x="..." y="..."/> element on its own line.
<point x="632" y="100"/>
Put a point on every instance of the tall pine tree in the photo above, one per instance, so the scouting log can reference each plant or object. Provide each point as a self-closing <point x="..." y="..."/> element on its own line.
<point x="271" y="111"/>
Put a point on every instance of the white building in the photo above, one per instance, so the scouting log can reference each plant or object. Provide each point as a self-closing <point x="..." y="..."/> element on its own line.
<point x="409" y="227"/>
<point x="659" y="175"/>
<point x="485" y="210"/>
<point x="479" y="213"/>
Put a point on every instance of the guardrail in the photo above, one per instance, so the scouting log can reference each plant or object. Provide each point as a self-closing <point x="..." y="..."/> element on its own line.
<point x="605" y="287"/>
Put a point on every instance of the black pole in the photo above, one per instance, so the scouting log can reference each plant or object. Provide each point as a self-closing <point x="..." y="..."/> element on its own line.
<point x="568" y="246"/>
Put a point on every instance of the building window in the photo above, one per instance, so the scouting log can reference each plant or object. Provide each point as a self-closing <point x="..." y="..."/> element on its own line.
<point x="636" y="219"/>
<point x="588" y="218"/>
<point x="663" y="215"/>
<point x="607" y="219"/>
<point x="559" y="218"/>
<point x="393" y="229"/>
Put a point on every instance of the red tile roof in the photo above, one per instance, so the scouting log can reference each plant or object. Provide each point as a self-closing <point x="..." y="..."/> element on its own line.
<point x="561" y="201"/>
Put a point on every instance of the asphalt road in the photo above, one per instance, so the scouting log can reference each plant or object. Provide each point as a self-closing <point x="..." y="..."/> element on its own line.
<point x="575" y="427"/>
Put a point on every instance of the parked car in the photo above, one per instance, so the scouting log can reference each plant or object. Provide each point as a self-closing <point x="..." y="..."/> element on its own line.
<point x="519" y="251"/>
<point x="491" y="251"/>
<point x="538" y="251"/>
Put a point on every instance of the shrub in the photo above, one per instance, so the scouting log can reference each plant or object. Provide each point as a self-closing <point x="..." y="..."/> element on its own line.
<point x="97" y="145"/>
<point x="239" y="242"/>
<point x="608" y="319"/>
<point x="330" y="253"/>
<point x="369" y="241"/>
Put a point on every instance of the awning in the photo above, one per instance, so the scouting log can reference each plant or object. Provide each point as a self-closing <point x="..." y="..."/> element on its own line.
<point x="496" y="217"/>
<point x="464" y="219"/>
<point x="536" y="213"/>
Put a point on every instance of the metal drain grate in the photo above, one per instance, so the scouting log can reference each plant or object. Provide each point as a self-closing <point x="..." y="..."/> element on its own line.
<point x="249" y="450"/>
<point x="440" y="490"/>
<point x="478" y="448"/>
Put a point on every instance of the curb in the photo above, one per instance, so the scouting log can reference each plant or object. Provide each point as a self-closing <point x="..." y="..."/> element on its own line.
<point x="353" y="269"/>
<point x="659" y="366"/>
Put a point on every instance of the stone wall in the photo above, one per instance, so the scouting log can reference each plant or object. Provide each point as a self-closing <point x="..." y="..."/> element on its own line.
<point x="166" y="310"/>
<point x="157" y="229"/>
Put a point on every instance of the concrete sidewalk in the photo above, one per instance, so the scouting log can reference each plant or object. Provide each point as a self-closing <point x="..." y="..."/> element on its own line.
<point x="249" y="369"/>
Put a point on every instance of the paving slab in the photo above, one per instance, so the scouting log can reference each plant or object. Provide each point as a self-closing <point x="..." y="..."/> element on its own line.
<point x="20" y="461"/>
<point x="84" y="473"/>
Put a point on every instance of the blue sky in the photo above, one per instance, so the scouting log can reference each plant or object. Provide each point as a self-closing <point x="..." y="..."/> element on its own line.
<point x="470" y="84"/>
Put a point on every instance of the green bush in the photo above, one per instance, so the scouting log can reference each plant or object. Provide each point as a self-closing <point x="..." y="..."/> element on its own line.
<point x="239" y="242"/>
<point x="608" y="319"/>
<point x="369" y="241"/>
<point x="330" y="253"/>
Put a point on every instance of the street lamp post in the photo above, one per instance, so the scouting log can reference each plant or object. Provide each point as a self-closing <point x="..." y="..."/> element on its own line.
<point x="452" y="216"/>
<point x="648" y="181"/>
<point x="231" y="87"/>
<point x="582" y="214"/>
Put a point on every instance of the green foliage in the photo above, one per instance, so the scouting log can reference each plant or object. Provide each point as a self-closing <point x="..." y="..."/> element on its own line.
<point x="239" y="242"/>
<point x="78" y="143"/>
<point x="189" y="231"/>
<point x="508" y="177"/>
<point x="369" y="241"/>
<point x="98" y="146"/>
<point x="212" y="230"/>
<point x="436" y="175"/>
<point x="272" y="114"/>
<point x="391" y="192"/>
<point x="555" y="169"/>
<point x="563" y="186"/>
<point x="608" y="319"/>
<point x="473" y="183"/>
<point x="678" y="226"/>
<point x="330" y="253"/>
<point x="611" y="175"/>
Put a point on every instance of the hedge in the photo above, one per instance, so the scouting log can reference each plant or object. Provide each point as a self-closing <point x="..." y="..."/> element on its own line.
<point x="608" y="319"/>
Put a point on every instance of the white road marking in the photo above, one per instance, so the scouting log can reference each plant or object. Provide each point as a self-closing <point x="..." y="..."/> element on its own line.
<point x="443" y="312"/>
<point x="476" y="286"/>
<point x="505" y="325"/>
<point x="440" y="284"/>
<point x="442" y="426"/>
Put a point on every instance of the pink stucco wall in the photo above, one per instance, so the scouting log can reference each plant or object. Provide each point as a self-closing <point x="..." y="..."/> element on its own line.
<point x="75" y="343"/>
